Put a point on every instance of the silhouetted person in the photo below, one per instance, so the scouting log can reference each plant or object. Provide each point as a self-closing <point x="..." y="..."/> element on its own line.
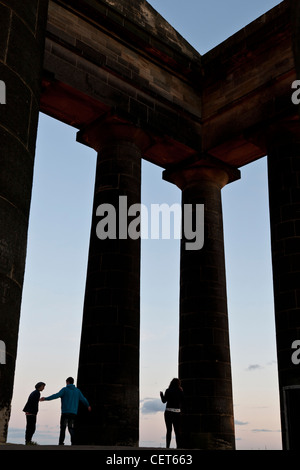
<point x="70" y="398"/>
<point x="31" y="410"/>
<point x="174" y="398"/>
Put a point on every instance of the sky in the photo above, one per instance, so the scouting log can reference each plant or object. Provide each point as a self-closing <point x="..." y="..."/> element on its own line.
<point x="56" y="263"/>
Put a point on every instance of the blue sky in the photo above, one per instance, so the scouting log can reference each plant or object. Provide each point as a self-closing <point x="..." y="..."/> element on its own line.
<point x="57" y="257"/>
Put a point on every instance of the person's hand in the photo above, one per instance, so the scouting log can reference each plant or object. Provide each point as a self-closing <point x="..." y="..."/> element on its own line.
<point x="89" y="408"/>
<point x="42" y="399"/>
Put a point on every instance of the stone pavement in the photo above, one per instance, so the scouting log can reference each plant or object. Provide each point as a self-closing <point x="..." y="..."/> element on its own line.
<point x="66" y="447"/>
<point x="8" y="446"/>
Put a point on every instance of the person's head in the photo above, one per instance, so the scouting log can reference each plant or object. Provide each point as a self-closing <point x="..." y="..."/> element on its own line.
<point x="175" y="383"/>
<point x="40" y="386"/>
<point x="70" y="380"/>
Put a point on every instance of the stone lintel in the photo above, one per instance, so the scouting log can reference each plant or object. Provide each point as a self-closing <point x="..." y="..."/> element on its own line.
<point x="140" y="25"/>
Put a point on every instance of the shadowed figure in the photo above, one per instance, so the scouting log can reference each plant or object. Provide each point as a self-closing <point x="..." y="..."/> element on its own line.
<point x="70" y="398"/>
<point x="173" y="396"/>
<point x="31" y="410"/>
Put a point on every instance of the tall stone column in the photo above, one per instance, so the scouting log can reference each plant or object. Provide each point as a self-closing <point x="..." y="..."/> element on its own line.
<point x="284" y="199"/>
<point x="204" y="354"/>
<point x="22" y="27"/>
<point x="108" y="372"/>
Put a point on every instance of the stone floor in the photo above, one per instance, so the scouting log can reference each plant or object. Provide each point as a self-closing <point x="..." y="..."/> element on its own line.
<point x="88" y="447"/>
<point x="66" y="447"/>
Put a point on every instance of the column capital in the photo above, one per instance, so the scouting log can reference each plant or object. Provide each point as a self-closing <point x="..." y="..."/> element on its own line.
<point x="111" y="129"/>
<point x="206" y="168"/>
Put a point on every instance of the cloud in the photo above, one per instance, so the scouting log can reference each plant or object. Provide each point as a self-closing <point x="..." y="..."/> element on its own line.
<point x="151" y="406"/>
<point x="258" y="366"/>
<point x="264" y="430"/>
<point x="240" y="423"/>
<point x="16" y="433"/>
<point x="254" y="367"/>
<point x="44" y="435"/>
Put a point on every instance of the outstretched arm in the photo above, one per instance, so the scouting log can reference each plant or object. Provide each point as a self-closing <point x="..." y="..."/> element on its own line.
<point x="54" y="396"/>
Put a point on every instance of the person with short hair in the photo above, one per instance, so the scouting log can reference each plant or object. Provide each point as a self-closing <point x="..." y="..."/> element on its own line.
<point x="70" y="398"/>
<point x="31" y="410"/>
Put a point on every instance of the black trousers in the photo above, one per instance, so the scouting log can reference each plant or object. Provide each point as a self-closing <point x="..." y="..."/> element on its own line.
<point x="67" y="420"/>
<point x="30" y="427"/>
<point x="172" y="420"/>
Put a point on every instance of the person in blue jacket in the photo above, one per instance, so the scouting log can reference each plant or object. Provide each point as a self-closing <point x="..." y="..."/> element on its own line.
<point x="70" y="398"/>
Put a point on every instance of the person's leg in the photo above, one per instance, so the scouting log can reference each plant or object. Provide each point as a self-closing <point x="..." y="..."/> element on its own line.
<point x="168" y="421"/>
<point x="71" y="426"/>
<point x="27" y="430"/>
<point x="63" y="425"/>
<point x="177" y="429"/>
<point x="30" y="427"/>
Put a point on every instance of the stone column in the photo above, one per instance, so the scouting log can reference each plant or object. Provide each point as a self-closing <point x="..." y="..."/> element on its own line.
<point x="204" y="354"/>
<point x="108" y="371"/>
<point x="284" y="198"/>
<point x="22" y="29"/>
<point x="295" y="23"/>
